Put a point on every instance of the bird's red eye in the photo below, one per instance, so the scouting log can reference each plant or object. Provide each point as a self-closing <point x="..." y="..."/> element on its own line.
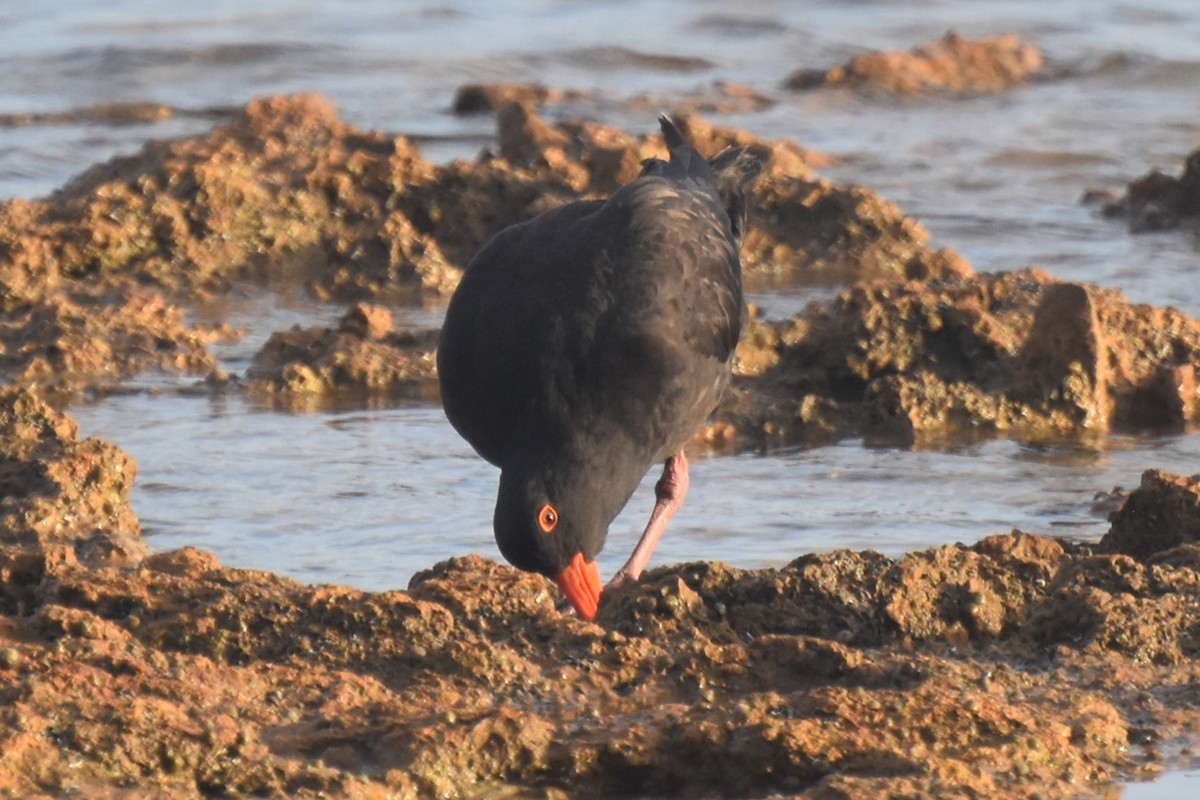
<point x="547" y="518"/>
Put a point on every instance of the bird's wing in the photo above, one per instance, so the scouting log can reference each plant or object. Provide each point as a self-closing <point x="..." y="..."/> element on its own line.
<point x="504" y="328"/>
<point x="623" y="311"/>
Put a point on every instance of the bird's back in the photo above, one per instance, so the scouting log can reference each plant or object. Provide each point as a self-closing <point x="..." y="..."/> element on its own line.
<point x="609" y="319"/>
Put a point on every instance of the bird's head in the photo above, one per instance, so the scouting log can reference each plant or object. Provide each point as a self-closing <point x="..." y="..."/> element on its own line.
<point x="546" y="528"/>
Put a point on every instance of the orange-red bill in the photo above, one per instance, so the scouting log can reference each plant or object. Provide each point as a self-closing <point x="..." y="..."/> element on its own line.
<point x="580" y="582"/>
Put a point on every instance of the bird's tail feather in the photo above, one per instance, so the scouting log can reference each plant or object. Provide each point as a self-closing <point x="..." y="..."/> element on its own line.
<point x="671" y="134"/>
<point x="684" y="156"/>
<point x="732" y="170"/>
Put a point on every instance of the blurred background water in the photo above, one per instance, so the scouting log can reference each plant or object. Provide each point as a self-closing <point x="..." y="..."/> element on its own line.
<point x="367" y="496"/>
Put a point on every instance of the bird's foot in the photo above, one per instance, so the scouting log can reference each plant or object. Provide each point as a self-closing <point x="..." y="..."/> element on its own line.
<point x="622" y="577"/>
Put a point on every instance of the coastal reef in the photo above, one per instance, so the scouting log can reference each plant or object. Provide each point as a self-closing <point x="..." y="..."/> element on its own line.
<point x="93" y="278"/>
<point x="1019" y="664"/>
<point x="1015" y="353"/>
<point x="1157" y="201"/>
<point x="952" y="64"/>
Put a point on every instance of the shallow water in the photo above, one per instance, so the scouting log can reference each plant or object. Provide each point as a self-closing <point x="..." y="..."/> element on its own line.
<point x="1181" y="785"/>
<point x="368" y="496"/>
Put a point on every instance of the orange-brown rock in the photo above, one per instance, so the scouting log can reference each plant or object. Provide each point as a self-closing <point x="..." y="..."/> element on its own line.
<point x="287" y="190"/>
<point x="362" y="355"/>
<point x="1014" y="666"/>
<point x="89" y="277"/>
<point x="285" y="182"/>
<point x="1021" y="664"/>
<point x="474" y="98"/>
<point x="951" y="64"/>
<point x="67" y="496"/>
<point x="62" y="345"/>
<point x="719" y="97"/>
<point x="1161" y="514"/>
<point x="1157" y="201"/>
<point x="797" y="223"/>
<point x="1010" y="352"/>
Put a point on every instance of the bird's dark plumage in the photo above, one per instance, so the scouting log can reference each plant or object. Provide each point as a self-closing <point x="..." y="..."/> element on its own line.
<point x="589" y="343"/>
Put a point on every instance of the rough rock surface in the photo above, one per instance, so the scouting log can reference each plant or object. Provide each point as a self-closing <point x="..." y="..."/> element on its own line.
<point x="90" y="277"/>
<point x="285" y="182"/>
<point x="719" y="97"/>
<point x="1009" y="352"/>
<point x="287" y="189"/>
<point x="1021" y="664"/>
<point x="289" y="185"/>
<point x="61" y="344"/>
<point x="363" y="354"/>
<point x="951" y="64"/>
<point x="798" y="224"/>
<point x="1161" y="514"/>
<point x="61" y="496"/>
<point x="1157" y="201"/>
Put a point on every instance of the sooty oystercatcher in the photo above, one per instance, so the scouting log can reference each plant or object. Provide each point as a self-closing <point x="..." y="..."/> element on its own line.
<point x="591" y="342"/>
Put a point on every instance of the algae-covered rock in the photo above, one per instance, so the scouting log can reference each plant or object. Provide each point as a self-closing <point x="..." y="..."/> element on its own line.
<point x="1009" y="352"/>
<point x="1157" y="201"/>
<point x="57" y="490"/>
<point x="91" y="278"/>
<point x="363" y="354"/>
<point x="951" y="64"/>
<point x="1018" y="665"/>
<point x="1162" y="513"/>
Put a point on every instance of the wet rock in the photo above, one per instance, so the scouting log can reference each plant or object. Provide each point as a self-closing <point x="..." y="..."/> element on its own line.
<point x="798" y="224"/>
<point x="525" y="140"/>
<point x="1008" y="352"/>
<point x="475" y="98"/>
<point x="1116" y="604"/>
<point x="62" y="345"/>
<point x="1162" y="513"/>
<point x="951" y="64"/>
<point x="959" y="595"/>
<point x="361" y="355"/>
<point x="286" y="187"/>
<point x="719" y="97"/>
<point x="63" y="501"/>
<point x="366" y="322"/>
<point x="471" y="202"/>
<point x="1157" y="201"/>
<point x="1010" y="667"/>
<point x="1064" y="354"/>
<point x="115" y="113"/>
<point x="283" y="182"/>
<point x="286" y="191"/>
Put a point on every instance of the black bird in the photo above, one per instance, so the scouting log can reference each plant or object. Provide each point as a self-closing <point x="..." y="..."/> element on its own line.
<point x="591" y="342"/>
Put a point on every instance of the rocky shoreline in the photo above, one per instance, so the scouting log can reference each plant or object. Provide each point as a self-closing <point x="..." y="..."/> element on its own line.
<point x="1019" y="665"/>
<point x="1016" y="665"/>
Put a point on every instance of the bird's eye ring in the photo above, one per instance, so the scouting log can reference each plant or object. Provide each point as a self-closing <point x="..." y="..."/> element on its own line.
<point x="547" y="518"/>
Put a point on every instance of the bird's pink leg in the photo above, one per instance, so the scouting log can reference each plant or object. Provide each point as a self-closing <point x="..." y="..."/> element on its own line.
<point x="669" y="493"/>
